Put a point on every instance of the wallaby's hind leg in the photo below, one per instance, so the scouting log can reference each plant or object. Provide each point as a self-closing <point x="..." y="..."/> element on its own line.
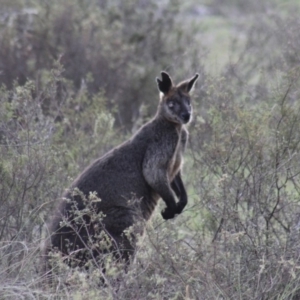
<point x="124" y="248"/>
<point x="123" y="228"/>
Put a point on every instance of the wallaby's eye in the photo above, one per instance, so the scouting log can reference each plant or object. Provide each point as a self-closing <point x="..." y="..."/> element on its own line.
<point x="170" y="104"/>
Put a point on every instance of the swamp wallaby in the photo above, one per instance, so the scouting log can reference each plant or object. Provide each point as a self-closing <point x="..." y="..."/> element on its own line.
<point x="128" y="181"/>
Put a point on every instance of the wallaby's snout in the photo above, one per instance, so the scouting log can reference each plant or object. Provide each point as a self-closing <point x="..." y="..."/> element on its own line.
<point x="185" y="117"/>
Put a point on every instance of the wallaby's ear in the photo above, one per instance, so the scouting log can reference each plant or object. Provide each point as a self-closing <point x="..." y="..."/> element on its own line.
<point x="165" y="84"/>
<point x="188" y="85"/>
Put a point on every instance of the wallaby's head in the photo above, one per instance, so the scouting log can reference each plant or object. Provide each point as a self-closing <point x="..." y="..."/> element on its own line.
<point x="175" y="103"/>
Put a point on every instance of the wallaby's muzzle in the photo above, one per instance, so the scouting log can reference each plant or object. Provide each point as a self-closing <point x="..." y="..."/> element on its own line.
<point x="185" y="117"/>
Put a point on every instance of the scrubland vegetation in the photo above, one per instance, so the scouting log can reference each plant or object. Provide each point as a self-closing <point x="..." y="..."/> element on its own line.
<point x="78" y="77"/>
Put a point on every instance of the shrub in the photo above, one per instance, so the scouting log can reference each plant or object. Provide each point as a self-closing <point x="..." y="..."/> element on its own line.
<point x="36" y="149"/>
<point x="248" y="178"/>
<point x="101" y="45"/>
<point x="78" y="73"/>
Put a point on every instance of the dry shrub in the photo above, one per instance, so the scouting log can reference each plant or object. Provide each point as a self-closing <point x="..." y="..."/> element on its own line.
<point x="239" y="235"/>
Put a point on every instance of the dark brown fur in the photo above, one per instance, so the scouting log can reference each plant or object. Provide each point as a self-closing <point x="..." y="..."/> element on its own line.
<point x="129" y="180"/>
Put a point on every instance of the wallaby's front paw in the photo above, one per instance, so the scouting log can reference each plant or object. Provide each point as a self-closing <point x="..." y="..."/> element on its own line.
<point x="179" y="208"/>
<point x="168" y="214"/>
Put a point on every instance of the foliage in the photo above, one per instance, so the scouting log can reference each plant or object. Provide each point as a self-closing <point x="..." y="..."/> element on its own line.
<point x="101" y="45"/>
<point x="77" y="75"/>
<point x="248" y="184"/>
<point x="37" y="148"/>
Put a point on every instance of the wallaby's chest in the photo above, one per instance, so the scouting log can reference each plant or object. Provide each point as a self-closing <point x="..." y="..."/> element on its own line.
<point x="175" y="159"/>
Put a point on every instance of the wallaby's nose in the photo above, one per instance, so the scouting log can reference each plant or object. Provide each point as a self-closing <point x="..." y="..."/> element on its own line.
<point x="185" y="116"/>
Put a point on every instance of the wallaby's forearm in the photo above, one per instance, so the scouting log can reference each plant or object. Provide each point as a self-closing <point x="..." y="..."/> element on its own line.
<point x="159" y="182"/>
<point x="179" y="189"/>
